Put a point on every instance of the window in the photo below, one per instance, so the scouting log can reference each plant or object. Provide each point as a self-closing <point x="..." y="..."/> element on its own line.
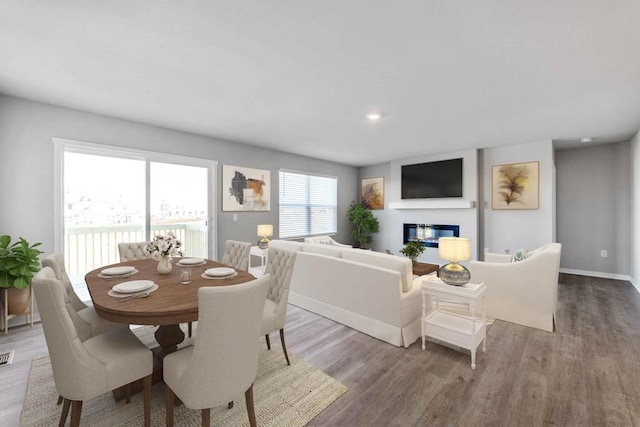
<point x="308" y="204"/>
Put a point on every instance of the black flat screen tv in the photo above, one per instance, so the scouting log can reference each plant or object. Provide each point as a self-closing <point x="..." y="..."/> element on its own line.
<point x="432" y="180"/>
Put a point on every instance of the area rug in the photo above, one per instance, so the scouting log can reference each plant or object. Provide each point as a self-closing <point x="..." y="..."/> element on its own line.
<point x="283" y="396"/>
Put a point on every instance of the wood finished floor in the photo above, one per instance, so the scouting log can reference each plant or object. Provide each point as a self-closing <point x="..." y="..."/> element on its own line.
<point x="587" y="373"/>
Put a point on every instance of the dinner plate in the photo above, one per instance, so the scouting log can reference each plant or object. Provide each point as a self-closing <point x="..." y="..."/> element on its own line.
<point x="219" y="271"/>
<point x="191" y="261"/>
<point x="133" y="286"/>
<point x="204" y="276"/>
<point x="117" y="271"/>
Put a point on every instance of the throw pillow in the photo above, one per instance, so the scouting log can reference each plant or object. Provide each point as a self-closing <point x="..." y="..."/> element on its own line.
<point x="519" y="255"/>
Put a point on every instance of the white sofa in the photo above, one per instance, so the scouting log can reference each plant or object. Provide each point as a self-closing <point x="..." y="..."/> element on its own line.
<point x="325" y="240"/>
<point x="371" y="292"/>
<point x="523" y="292"/>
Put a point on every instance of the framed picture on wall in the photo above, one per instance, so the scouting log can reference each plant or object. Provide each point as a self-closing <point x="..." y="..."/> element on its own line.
<point x="515" y="186"/>
<point x="372" y="192"/>
<point x="245" y="189"/>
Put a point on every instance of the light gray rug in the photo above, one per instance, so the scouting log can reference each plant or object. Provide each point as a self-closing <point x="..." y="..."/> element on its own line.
<point x="283" y="395"/>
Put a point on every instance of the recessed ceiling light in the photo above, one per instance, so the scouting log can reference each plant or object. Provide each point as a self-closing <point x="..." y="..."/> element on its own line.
<point x="374" y="116"/>
<point x="586" y="139"/>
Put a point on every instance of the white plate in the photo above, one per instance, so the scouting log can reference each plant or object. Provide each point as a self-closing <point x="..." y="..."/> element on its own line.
<point x="191" y="261"/>
<point x="204" y="276"/>
<point x="219" y="271"/>
<point x="117" y="271"/>
<point x="133" y="286"/>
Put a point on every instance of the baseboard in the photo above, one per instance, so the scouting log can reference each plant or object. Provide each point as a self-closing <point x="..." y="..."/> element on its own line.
<point x="635" y="285"/>
<point x="597" y="274"/>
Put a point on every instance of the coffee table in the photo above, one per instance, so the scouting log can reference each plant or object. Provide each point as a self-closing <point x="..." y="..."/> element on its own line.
<point x="422" y="268"/>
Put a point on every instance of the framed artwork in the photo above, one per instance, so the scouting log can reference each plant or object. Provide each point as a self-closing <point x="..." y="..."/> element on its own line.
<point x="372" y="192"/>
<point x="245" y="189"/>
<point x="515" y="186"/>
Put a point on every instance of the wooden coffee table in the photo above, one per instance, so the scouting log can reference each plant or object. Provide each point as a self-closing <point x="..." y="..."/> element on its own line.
<point x="422" y="268"/>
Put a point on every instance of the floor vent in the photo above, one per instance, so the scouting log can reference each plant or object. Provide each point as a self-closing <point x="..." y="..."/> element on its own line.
<point x="6" y="358"/>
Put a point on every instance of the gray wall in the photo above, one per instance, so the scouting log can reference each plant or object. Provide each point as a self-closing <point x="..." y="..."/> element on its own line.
<point x="594" y="207"/>
<point x="26" y="156"/>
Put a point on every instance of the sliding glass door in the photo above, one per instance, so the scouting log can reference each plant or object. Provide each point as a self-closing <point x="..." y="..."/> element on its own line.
<point x="109" y="195"/>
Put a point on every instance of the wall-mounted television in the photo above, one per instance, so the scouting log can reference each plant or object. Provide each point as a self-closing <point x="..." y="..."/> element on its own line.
<point x="432" y="180"/>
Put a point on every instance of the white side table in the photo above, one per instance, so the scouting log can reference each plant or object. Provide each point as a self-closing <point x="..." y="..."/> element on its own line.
<point x="448" y="327"/>
<point x="261" y="253"/>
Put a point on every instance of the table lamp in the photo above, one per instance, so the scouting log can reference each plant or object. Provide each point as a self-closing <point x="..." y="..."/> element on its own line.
<point x="265" y="231"/>
<point x="454" y="249"/>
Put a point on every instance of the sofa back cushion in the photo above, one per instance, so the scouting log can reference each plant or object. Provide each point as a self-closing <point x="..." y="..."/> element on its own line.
<point x="286" y="245"/>
<point x="391" y="262"/>
<point x="326" y="250"/>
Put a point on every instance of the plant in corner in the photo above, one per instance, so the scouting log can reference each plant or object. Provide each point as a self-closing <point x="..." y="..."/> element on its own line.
<point x="364" y="223"/>
<point x="413" y="249"/>
<point x="18" y="263"/>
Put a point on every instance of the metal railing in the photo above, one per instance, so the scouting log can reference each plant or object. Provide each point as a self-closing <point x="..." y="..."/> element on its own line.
<point x="87" y="248"/>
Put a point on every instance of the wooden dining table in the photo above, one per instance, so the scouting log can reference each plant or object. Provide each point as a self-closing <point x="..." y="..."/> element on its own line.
<point x="168" y="306"/>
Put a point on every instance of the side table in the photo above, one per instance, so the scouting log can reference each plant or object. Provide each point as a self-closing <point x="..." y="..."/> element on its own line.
<point x="448" y="327"/>
<point x="261" y="253"/>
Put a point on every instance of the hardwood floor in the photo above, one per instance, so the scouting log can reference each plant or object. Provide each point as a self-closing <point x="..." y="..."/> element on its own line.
<point x="587" y="373"/>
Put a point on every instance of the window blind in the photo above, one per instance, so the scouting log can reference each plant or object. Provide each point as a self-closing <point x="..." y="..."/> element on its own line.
<point x="308" y="204"/>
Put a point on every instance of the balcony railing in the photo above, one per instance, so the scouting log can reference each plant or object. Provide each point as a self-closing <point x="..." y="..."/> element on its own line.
<point x="87" y="248"/>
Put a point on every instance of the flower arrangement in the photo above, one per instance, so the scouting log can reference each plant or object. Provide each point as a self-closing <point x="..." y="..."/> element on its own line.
<point x="164" y="246"/>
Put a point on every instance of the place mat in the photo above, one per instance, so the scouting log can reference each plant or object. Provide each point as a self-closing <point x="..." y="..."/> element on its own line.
<point x="122" y="276"/>
<point x="206" y="276"/>
<point x="115" y="294"/>
<point x="283" y="396"/>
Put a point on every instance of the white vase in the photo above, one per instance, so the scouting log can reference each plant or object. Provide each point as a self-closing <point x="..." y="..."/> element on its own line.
<point x="164" y="265"/>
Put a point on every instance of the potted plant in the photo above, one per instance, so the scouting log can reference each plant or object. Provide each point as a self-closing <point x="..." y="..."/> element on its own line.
<point x="18" y="263"/>
<point x="413" y="249"/>
<point x="364" y="223"/>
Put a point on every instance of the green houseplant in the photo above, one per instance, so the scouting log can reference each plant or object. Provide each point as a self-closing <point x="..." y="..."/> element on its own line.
<point x="364" y="223"/>
<point x="18" y="262"/>
<point x="413" y="249"/>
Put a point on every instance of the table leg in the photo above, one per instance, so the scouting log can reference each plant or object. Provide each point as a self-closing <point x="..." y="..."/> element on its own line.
<point x="424" y="306"/>
<point x="168" y="336"/>
<point x="473" y="359"/>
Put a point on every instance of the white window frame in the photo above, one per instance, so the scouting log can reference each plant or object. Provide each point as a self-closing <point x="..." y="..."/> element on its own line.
<point x="308" y="205"/>
<point x="60" y="146"/>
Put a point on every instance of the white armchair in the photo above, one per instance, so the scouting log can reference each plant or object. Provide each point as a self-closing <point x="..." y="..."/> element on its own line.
<point x="325" y="240"/>
<point x="523" y="292"/>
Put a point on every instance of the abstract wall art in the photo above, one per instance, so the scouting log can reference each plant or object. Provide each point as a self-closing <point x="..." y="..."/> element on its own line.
<point x="515" y="186"/>
<point x="372" y="192"/>
<point x="245" y="189"/>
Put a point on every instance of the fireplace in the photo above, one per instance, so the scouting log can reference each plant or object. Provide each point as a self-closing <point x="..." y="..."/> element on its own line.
<point x="429" y="233"/>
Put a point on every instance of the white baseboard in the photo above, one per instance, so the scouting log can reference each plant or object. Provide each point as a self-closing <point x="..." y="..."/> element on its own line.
<point x="597" y="274"/>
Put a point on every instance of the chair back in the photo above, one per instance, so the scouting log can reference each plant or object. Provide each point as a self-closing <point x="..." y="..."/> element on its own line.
<point x="132" y="251"/>
<point x="224" y="362"/>
<point x="236" y="254"/>
<point x="280" y="264"/>
<point x="56" y="262"/>
<point x="77" y="374"/>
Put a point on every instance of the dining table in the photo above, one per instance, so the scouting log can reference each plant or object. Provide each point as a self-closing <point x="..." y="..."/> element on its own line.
<point x="171" y="304"/>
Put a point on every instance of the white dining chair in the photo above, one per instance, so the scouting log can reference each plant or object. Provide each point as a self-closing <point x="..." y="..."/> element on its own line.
<point x="223" y="362"/>
<point x="132" y="251"/>
<point x="84" y="369"/>
<point x="236" y="254"/>
<point x="280" y="264"/>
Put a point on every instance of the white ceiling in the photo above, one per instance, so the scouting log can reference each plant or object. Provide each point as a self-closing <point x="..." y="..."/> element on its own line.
<point x="300" y="76"/>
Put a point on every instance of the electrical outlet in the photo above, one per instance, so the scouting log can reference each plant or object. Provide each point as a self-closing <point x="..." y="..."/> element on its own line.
<point x="603" y="253"/>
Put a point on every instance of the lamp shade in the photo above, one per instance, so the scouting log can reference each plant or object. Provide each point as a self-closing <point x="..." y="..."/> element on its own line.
<point x="265" y="230"/>
<point x="454" y="249"/>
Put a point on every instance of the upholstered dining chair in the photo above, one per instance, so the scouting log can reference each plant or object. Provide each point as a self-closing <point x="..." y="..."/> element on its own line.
<point x="236" y="254"/>
<point x="88" y="322"/>
<point x="84" y="369"/>
<point x="132" y="251"/>
<point x="223" y="362"/>
<point x="279" y="268"/>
